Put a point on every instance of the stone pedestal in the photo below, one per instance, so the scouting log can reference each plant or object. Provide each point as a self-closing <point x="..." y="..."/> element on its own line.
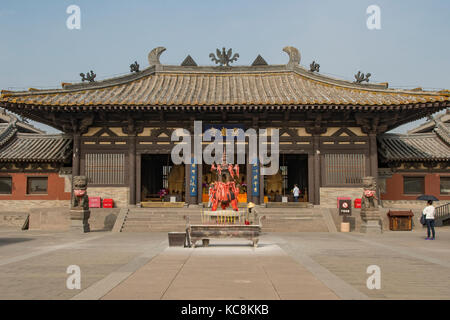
<point x="371" y="221"/>
<point x="79" y="220"/>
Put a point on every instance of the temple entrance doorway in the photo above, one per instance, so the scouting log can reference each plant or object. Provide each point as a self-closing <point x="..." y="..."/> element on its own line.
<point x="161" y="179"/>
<point x="293" y="170"/>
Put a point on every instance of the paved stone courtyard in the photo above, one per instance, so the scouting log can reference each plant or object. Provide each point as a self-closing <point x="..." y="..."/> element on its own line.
<point x="315" y="265"/>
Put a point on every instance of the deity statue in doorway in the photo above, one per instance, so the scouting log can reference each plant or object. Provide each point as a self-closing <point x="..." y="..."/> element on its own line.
<point x="224" y="190"/>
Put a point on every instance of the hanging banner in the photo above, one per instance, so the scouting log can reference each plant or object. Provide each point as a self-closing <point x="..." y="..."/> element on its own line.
<point x="255" y="178"/>
<point x="193" y="179"/>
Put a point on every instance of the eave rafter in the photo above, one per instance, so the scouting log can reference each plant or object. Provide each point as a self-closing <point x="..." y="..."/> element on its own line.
<point x="374" y="119"/>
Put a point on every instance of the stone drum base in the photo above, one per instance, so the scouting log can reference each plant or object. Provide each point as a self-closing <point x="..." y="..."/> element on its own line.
<point x="79" y="220"/>
<point x="371" y="221"/>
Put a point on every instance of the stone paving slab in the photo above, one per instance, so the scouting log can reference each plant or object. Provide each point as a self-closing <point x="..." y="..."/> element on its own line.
<point x="222" y="271"/>
<point x="285" y="266"/>
<point x="42" y="275"/>
<point x="411" y="267"/>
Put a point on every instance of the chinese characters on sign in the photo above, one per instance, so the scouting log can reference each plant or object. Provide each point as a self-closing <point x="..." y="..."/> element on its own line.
<point x="255" y="178"/>
<point x="193" y="179"/>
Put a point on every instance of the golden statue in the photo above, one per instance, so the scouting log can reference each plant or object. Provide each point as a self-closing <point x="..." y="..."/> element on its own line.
<point x="275" y="183"/>
<point x="176" y="179"/>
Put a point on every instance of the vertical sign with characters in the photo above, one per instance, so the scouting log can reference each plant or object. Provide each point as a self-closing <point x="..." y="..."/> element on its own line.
<point x="255" y="178"/>
<point x="193" y="179"/>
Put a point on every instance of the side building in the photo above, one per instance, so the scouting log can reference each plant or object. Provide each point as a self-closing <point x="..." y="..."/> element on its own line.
<point x="35" y="167"/>
<point x="416" y="163"/>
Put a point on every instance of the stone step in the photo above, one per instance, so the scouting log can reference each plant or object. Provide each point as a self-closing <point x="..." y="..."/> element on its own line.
<point x="160" y="218"/>
<point x="288" y="219"/>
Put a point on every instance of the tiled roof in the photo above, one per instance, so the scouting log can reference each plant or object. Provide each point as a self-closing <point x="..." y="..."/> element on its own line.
<point x="267" y="86"/>
<point x="7" y="131"/>
<point x="18" y="147"/>
<point x="429" y="125"/>
<point x="413" y="147"/>
<point x="7" y="118"/>
<point x="222" y="88"/>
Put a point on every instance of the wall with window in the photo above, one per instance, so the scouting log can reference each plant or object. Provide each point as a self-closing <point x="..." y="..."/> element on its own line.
<point x="33" y="186"/>
<point x="408" y="186"/>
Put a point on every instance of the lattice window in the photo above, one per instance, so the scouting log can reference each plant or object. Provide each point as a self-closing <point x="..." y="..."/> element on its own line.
<point x="105" y="168"/>
<point x="166" y="172"/>
<point x="343" y="169"/>
<point x="284" y="172"/>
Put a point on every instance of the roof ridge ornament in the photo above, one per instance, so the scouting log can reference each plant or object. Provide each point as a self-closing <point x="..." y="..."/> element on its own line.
<point x="189" y="62"/>
<point x="259" y="61"/>
<point x="224" y="58"/>
<point x="153" y="56"/>
<point x="314" y="67"/>
<point x="134" y="67"/>
<point x="90" y="76"/>
<point x="294" y="55"/>
<point x="360" y="77"/>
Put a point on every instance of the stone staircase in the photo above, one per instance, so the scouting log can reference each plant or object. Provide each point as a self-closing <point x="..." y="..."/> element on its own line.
<point x="159" y="219"/>
<point x="442" y="215"/>
<point x="172" y="219"/>
<point x="293" y="220"/>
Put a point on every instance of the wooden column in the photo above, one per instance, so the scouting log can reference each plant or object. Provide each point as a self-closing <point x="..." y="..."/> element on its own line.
<point x="317" y="173"/>
<point x="138" y="179"/>
<point x="373" y="155"/>
<point x="187" y="192"/>
<point x="249" y="181"/>
<point x="311" y="174"/>
<point x="199" y="183"/>
<point x="76" y="155"/>
<point x="132" y="168"/>
<point x="261" y="187"/>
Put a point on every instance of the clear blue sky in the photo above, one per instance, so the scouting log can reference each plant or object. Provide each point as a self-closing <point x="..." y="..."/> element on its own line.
<point x="411" y="49"/>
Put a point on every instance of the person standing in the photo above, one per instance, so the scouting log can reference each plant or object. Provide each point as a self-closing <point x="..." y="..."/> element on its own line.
<point x="296" y="192"/>
<point x="428" y="212"/>
<point x="210" y="194"/>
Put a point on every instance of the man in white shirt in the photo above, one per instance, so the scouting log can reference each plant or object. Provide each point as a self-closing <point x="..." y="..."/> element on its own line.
<point x="296" y="193"/>
<point x="428" y="212"/>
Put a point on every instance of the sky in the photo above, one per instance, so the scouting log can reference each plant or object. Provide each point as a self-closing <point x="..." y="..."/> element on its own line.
<point x="411" y="49"/>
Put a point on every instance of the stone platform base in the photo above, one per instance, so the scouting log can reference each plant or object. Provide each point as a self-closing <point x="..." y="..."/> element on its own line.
<point x="371" y="226"/>
<point x="79" y="220"/>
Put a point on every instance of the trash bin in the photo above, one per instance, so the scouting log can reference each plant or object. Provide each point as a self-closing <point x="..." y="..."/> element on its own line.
<point x="352" y="222"/>
<point x="177" y="239"/>
<point x="400" y="220"/>
<point x="345" y="227"/>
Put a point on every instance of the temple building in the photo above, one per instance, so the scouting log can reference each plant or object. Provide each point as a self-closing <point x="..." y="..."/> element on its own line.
<point x="329" y="129"/>
<point x="34" y="166"/>
<point x="416" y="163"/>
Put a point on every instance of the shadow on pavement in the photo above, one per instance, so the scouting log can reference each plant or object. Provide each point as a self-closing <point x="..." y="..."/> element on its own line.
<point x="6" y="241"/>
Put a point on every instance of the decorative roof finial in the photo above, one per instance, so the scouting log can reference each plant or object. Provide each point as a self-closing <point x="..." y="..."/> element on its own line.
<point x="153" y="56"/>
<point x="360" y="77"/>
<point x="224" y="58"/>
<point x="294" y="55"/>
<point x="314" y="67"/>
<point x="134" y="67"/>
<point x="90" y="76"/>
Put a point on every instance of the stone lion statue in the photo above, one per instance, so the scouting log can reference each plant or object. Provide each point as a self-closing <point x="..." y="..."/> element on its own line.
<point x="369" y="197"/>
<point x="80" y="199"/>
